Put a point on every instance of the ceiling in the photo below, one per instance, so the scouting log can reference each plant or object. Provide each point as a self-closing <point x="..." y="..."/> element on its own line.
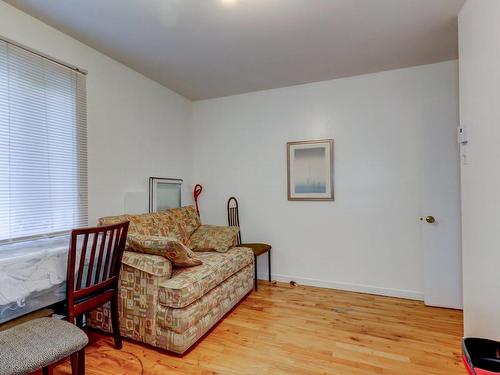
<point x="211" y="48"/>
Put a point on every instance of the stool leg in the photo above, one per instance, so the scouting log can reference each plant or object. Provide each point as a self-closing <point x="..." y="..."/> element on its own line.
<point x="81" y="362"/>
<point x="255" y="270"/>
<point x="74" y="363"/>
<point x="269" y="263"/>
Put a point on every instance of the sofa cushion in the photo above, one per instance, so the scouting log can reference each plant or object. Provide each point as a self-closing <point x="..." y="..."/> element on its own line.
<point x="189" y="284"/>
<point x="167" y="226"/>
<point x="139" y="224"/>
<point x="151" y="264"/>
<point x="170" y="248"/>
<point x="222" y="296"/>
<point x="177" y="223"/>
<point x="213" y="237"/>
<point x="111" y="220"/>
<point x="187" y="216"/>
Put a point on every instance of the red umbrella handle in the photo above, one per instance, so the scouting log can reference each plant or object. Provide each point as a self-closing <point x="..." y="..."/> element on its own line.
<point x="196" y="193"/>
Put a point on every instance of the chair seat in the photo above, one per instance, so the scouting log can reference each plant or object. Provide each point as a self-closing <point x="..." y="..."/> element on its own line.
<point x="38" y="343"/>
<point x="257" y="248"/>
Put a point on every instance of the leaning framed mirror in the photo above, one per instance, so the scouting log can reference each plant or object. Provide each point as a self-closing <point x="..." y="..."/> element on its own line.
<point x="164" y="193"/>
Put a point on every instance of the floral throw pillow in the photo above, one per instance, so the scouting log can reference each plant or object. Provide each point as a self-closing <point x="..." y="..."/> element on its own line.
<point x="213" y="237"/>
<point x="170" y="248"/>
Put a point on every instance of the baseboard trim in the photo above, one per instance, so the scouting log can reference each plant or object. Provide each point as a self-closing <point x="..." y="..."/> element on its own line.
<point x="349" y="287"/>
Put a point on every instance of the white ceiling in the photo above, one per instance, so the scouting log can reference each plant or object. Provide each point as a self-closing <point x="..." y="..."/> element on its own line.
<point x="210" y="48"/>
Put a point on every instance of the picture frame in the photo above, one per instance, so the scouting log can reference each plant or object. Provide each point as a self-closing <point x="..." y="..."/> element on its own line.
<point x="310" y="170"/>
<point x="164" y="193"/>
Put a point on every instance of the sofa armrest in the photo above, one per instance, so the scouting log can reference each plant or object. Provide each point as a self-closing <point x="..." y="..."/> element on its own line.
<point x="154" y="265"/>
<point x="140" y="277"/>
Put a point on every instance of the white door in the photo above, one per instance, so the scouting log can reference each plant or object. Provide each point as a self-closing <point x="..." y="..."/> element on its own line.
<point x="441" y="203"/>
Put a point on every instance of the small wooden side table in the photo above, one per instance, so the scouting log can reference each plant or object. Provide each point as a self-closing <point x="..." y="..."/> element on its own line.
<point x="233" y="219"/>
<point x="259" y="249"/>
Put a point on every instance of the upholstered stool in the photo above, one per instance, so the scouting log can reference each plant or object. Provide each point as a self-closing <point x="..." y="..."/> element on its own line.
<point x="39" y="343"/>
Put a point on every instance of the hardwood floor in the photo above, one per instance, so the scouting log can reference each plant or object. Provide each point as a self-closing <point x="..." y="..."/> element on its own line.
<point x="303" y="330"/>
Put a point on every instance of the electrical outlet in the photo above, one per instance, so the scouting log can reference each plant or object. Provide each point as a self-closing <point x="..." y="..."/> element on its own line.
<point x="463" y="137"/>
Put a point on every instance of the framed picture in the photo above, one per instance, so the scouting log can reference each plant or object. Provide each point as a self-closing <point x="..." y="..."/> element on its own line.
<point x="164" y="193"/>
<point x="310" y="170"/>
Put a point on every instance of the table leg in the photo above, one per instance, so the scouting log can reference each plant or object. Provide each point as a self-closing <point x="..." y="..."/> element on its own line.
<point x="255" y="270"/>
<point x="269" y="263"/>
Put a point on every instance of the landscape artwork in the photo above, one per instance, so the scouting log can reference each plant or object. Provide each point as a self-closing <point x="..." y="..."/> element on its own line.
<point x="310" y="170"/>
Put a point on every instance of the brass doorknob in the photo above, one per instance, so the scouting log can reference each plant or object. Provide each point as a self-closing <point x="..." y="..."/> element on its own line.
<point x="429" y="219"/>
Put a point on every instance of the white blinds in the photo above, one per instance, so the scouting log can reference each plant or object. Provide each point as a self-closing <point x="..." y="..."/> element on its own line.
<point x="43" y="145"/>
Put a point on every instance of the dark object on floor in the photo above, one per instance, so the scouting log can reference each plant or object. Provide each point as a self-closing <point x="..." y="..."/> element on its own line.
<point x="99" y="252"/>
<point x="233" y="219"/>
<point x="293" y="283"/>
<point x="39" y="343"/>
<point x="481" y="356"/>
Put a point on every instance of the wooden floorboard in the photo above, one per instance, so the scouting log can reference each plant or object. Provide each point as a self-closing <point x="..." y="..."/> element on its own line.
<point x="303" y="330"/>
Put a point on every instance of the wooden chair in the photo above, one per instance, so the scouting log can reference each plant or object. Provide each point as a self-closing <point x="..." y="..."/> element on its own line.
<point x="94" y="261"/>
<point x="233" y="219"/>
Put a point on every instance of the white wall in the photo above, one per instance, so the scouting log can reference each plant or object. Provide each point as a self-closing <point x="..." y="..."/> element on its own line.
<point x="479" y="35"/>
<point x="369" y="239"/>
<point x="136" y="127"/>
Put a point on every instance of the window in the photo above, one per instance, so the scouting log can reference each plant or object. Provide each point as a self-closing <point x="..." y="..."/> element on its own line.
<point x="43" y="145"/>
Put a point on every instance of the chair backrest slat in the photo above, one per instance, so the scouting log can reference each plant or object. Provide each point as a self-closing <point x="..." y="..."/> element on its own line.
<point x="92" y="259"/>
<point x="96" y="272"/>
<point x="233" y="217"/>
<point x="81" y="265"/>
<point x="101" y="273"/>
<point x="107" y="255"/>
<point x="110" y="257"/>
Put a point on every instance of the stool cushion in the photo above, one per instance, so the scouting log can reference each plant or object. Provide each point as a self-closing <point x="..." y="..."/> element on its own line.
<point x="38" y="343"/>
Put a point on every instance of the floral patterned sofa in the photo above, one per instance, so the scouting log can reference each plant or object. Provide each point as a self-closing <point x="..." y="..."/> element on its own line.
<point x="169" y="307"/>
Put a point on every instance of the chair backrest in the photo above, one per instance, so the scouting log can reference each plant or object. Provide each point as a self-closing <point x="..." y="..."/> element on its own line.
<point x="233" y="216"/>
<point x="94" y="261"/>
